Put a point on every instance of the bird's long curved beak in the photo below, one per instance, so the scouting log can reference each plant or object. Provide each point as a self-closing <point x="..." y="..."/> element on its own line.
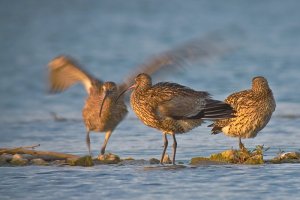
<point x="101" y="107"/>
<point x="129" y="88"/>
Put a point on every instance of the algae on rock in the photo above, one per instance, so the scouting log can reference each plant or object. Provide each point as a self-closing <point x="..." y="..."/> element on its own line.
<point x="108" y="159"/>
<point x="85" y="161"/>
<point x="286" y="157"/>
<point x="233" y="156"/>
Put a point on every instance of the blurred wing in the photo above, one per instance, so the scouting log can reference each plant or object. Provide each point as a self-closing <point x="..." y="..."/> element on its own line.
<point x="195" y="50"/>
<point x="65" y="72"/>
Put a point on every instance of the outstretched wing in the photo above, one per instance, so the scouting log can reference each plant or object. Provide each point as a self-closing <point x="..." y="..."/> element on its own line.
<point x="198" y="49"/>
<point x="64" y="72"/>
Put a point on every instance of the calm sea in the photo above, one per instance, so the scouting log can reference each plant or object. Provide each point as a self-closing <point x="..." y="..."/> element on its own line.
<point x="111" y="38"/>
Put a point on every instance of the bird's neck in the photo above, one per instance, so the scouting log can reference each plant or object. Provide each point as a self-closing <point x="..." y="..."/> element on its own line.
<point x="262" y="90"/>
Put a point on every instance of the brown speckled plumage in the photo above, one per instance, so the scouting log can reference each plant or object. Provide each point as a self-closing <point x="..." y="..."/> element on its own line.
<point x="254" y="108"/>
<point x="65" y="72"/>
<point x="173" y="108"/>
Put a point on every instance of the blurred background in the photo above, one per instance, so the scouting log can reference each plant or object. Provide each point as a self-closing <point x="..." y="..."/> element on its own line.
<point x="111" y="38"/>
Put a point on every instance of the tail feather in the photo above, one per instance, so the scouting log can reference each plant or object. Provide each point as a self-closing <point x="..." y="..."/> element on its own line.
<point x="217" y="110"/>
<point x="216" y="129"/>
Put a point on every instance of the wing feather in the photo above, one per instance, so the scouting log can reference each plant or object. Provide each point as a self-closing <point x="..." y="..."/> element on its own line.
<point x="65" y="72"/>
<point x="198" y="49"/>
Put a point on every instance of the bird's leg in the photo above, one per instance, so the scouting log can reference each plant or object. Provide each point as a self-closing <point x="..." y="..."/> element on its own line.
<point x="241" y="145"/>
<point x="165" y="147"/>
<point x="174" y="148"/>
<point x="88" y="141"/>
<point x="107" y="136"/>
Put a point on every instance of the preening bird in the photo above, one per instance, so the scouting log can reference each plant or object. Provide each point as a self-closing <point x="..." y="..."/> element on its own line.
<point x="253" y="107"/>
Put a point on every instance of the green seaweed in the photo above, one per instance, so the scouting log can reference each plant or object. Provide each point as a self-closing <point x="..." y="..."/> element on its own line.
<point x="19" y="162"/>
<point x="85" y="161"/>
<point x="232" y="156"/>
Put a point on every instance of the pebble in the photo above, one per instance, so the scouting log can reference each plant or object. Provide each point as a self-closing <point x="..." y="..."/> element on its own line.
<point x="17" y="159"/>
<point x="3" y="161"/>
<point x="28" y="156"/>
<point x="39" y="161"/>
<point x="154" y="161"/>
<point x="7" y="157"/>
<point x="59" y="162"/>
<point x="108" y="159"/>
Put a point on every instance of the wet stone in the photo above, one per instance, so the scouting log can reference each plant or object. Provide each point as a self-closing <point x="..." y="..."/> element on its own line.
<point x="290" y="155"/>
<point x="225" y="156"/>
<point x="3" y="161"/>
<point x="6" y="156"/>
<point x="107" y="159"/>
<point x="254" y="160"/>
<point x="85" y="161"/>
<point x="154" y="161"/>
<point x="28" y="156"/>
<point x="18" y="160"/>
<point x="233" y="156"/>
<point x="129" y="158"/>
<point x="287" y="157"/>
<point x="39" y="161"/>
<point x="17" y="156"/>
<point x="59" y="162"/>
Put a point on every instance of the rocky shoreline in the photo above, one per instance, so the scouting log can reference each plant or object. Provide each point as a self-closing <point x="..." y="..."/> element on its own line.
<point x="24" y="156"/>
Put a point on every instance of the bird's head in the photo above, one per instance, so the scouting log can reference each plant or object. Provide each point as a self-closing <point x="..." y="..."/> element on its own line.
<point x="260" y="83"/>
<point x="109" y="90"/>
<point x="142" y="81"/>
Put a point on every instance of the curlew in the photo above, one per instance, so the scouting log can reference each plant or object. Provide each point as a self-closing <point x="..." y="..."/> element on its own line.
<point x="254" y="108"/>
<point x="100" y="112"/>
<point x="173" y="108"/>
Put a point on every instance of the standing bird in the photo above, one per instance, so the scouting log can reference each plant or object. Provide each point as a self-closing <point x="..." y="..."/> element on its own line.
<point x="173" y="108"/>
<point x="254" y="108"/>
<point x="101" y="113"/>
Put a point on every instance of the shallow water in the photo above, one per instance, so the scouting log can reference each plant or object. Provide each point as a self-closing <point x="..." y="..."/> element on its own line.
<point x="110" y="36"/>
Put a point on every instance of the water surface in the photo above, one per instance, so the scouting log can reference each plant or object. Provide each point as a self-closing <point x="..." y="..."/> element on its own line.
<point x="116" y="36"/>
